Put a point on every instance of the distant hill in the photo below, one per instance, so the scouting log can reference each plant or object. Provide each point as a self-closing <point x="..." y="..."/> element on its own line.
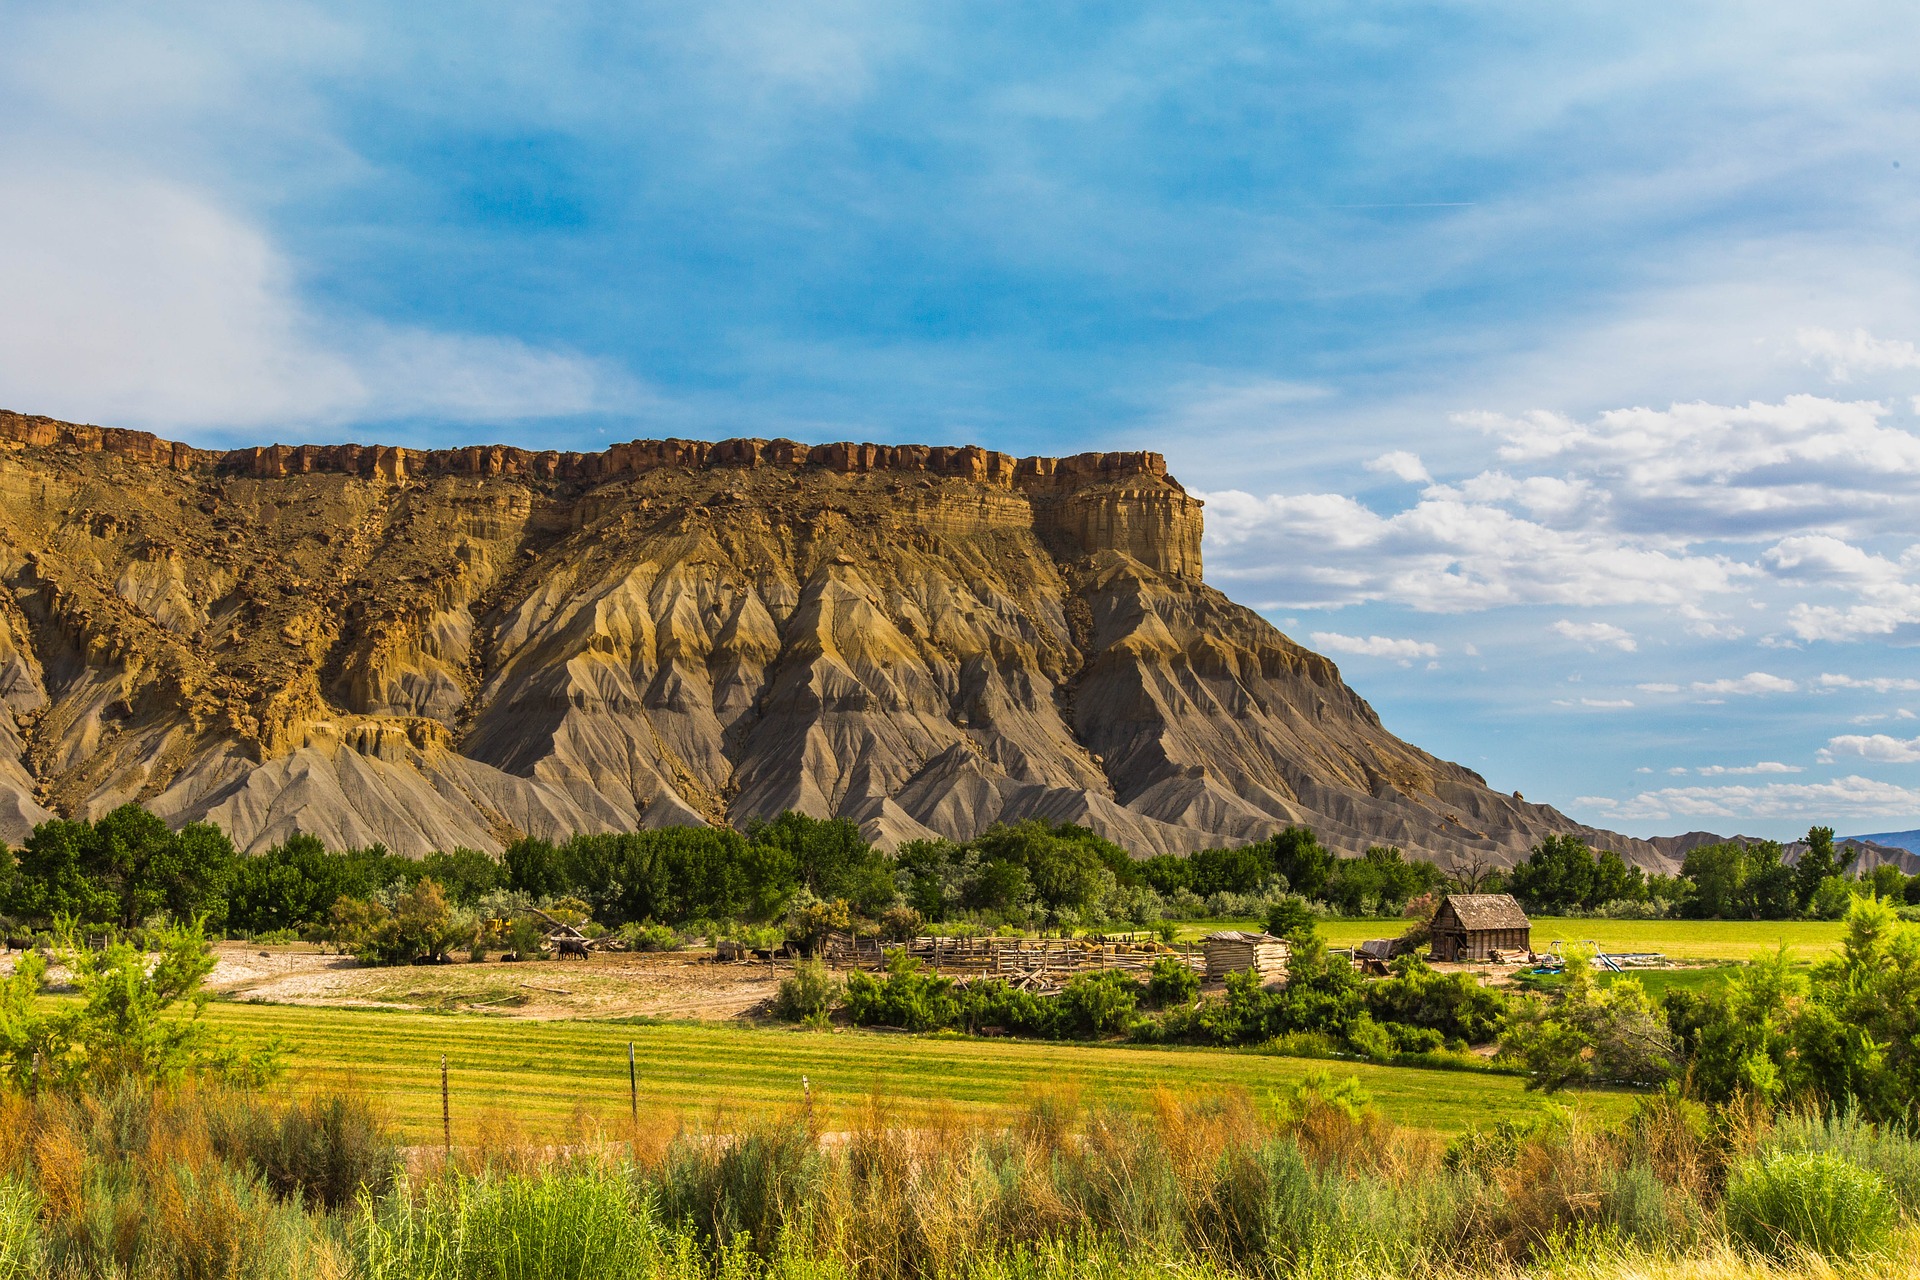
<point x="1908" y="840"/>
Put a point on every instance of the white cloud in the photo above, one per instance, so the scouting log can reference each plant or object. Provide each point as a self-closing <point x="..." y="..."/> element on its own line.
<point x="1658" y="688"/>
<point x="155" y="306"/>
<point x="1609" y="704"/>
<point x="1723" y="469"/>
<point x="1843" y="798"/>
<point x="1443" y="555"/>
<point x="1845" y="354"/>
<point x="1878" y="747"/>
<point x="1824" y="559"/>
<point x="1402" y="464"/>
<point x="1754" y="682"/>
<point x="1634" y="506"/>
<point x="1375" y="646"/>
<point x="1878" y="684"/>
<point x="1593" y="634"/>
<point x="1764" y="766"/>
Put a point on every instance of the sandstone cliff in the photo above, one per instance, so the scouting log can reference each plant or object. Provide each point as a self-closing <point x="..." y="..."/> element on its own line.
<point x="430" y="648"/>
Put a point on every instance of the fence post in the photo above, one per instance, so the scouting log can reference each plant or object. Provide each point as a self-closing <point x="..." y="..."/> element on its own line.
<point x="446" y="1112"/>
<point x="633" y="1085"/>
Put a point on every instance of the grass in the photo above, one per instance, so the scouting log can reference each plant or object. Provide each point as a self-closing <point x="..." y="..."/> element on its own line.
<point x="1677" y="939"/>
<point x="545" y="1072"/>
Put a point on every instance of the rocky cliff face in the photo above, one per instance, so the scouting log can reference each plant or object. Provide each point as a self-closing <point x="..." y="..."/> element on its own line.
<point x="454" y="647"/>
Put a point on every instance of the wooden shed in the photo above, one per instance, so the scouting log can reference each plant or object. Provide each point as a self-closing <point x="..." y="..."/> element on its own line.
<point x="1233" y="951"/>
<point x="1471" y="926"/>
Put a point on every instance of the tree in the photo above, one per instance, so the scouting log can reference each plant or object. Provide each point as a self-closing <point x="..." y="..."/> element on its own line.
<point x="424" y="924"/>
<point x="1815" y="865"/>
<point x="54" y="877"/>
<point x="1740" y="880"/>
<point x="1858" y="1036"/>
<point x="1559" y="875"/>
<point x="465" y="874"/>
<point x="534" y="866"/>
<point x="1297" y="854"/>
<point x="830" y="857"/>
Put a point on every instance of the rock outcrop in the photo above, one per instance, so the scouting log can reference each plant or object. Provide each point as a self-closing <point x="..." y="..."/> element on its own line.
<point x="431" y="648"/>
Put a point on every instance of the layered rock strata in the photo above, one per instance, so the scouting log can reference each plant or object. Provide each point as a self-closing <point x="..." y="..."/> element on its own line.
<point x="431" y="648"/>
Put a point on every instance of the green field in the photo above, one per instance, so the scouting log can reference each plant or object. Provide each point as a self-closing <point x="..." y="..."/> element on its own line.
<point x="1677" y="939"/>
<point x="541" y="1072"/>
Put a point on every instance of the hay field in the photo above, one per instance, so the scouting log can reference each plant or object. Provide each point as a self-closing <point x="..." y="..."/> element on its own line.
<point x="540" y="1072"/>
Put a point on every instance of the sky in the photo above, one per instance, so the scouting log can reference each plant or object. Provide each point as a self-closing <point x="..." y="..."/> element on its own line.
<point x="1551" y="367"/>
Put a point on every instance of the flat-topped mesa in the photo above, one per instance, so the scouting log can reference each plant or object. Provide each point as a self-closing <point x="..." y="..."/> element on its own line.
<point x="1091" y="502"/>
<point x="135" y="446"/>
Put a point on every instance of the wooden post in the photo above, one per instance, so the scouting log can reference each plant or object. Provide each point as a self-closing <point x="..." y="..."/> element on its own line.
<point x="446" y="1111"/>
<point x="633" y="1085"/>
<point x="806" y="1100"/>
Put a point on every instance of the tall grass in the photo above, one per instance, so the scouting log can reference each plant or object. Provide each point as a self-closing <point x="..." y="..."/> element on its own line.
<point x="1788" y="1202"/>
<point x="1312" y="1182"/>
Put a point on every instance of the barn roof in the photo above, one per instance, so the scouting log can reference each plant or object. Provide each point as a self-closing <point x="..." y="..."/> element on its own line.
<point x="1240" y="935"/>
<point x="1487" y="911"/>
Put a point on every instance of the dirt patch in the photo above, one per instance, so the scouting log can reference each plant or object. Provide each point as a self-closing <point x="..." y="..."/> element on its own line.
<point x="686" y="984"/>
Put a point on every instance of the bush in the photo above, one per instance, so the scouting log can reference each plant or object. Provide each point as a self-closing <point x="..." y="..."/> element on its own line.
<point x="808" y="994"/>
<point x="1785" y="1202"/>
<point x="1173" y="982"/>
<point x="651" y="937"/>
<point x="524" y="937"/>
<point x="1096" y="1004"/>
<point x="1885" y="1150"/>
<point x="906" y="998"/>
<point x="327" y="1148"/>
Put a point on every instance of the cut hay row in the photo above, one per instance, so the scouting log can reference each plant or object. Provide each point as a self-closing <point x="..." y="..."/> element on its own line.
<point x="544" y="1071"/>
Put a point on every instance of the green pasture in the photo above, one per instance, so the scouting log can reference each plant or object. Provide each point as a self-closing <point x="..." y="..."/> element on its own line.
<point x="543" y="1073"/>
<point x="1690" y="940"/>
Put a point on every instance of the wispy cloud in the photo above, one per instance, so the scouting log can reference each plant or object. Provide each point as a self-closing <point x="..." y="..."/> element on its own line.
<point x="1845" y="354"/>
<point x="1878" y="684"/>
<point x="1594" y="634"/>
<point x="1375" y="646"/>
<point x="1751" y="684"/>
<point x="1842" y="798"/>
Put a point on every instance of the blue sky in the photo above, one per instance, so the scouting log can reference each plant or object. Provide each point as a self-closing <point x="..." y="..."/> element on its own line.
<point x="1550" y="366"/>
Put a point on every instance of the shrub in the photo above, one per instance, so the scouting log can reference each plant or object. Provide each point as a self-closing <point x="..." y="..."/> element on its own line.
<point x="900" y="923"/>
<point x="1885" y="1150"/>
<point x="808" y="994"/>
<point x="906" y="998"/>
<point x="1096" y="1004"/>
<point x="1291" y="918"/>
<point x="1785" y="1202"/>
<point x="327" y="1148"/>
<point x="651" y="937"/>
<point x="1173" y="982"/>
<point x="132" y="1020"/>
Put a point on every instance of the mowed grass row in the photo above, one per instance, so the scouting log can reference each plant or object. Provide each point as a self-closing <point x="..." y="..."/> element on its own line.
<point x="1676" y="939"/>
<point x="542" y="1073"/>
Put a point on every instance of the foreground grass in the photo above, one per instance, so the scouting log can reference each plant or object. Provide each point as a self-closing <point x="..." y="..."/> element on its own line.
<point x="544" y="1073"/>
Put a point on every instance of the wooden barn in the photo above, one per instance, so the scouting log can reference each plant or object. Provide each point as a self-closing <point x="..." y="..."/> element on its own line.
<point x="1231" y="951"/>
<point x="1471" y="926"/>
